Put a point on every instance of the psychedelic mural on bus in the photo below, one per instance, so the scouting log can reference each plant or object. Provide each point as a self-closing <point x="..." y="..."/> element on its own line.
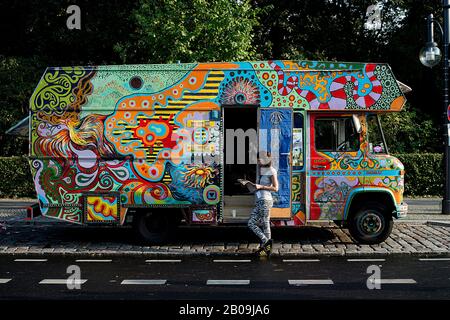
<point x="109" y="137"/>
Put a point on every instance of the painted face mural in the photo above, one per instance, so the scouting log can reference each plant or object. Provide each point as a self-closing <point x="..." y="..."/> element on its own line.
<point x="109" y="137"/>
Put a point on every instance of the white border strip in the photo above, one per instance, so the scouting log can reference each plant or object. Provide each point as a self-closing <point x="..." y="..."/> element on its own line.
<point x="310" y="281"/>
<point x="227" y="282"/>
<point x="144" y="281"/>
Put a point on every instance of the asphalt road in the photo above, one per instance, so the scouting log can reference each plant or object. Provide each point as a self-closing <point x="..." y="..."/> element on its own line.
<point x="402" y="277"/>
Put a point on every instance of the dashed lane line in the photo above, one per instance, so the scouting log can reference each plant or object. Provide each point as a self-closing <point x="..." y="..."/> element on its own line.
<point x="302" y="282"/>
<point x="143" y="282"/>
<point x="30" y="260"/>
<point x="94" y="260"/>
<point x="231" y="260"/>
<point x="3" y="281"/>
<point x="227" y="282"/>
<point x="163" y="260"/>
<point x="63" y="281"/>
<point x="434" y="259"/>
<point x="366" y="260"/>
<point x="301" y="260"/>
<point x="393" y="281"/>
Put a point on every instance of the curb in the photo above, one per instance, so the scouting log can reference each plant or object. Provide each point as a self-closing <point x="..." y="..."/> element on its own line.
<point x="439" y="223"/>
<point x="226" y="254"/>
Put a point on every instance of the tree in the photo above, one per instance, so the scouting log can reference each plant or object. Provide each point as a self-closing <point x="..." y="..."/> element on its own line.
<point x="410" y="131"/>
<point x="168" y="31"/>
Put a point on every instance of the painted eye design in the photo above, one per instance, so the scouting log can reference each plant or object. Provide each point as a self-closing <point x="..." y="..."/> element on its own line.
<point x="136" y="82"/>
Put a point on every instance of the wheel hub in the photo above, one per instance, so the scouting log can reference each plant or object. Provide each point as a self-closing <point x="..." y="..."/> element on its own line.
<point x="371" y="223"/>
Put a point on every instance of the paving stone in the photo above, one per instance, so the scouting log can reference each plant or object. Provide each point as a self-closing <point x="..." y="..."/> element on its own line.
<point x="50" y="238"/>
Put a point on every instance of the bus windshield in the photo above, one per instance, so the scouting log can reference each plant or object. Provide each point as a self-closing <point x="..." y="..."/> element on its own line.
<point x="375" y="136"/>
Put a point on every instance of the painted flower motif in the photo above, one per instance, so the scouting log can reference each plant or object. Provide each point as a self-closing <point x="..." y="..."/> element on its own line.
<point x="377" y="149"/>
<point x="240" y="91"/>
<point x="199" y="176"/>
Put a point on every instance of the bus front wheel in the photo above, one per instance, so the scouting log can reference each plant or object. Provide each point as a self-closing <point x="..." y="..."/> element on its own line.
<point x="370" y="224"/>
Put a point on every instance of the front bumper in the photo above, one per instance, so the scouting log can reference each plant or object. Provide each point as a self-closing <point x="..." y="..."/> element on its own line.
<point x="401" y="210"/>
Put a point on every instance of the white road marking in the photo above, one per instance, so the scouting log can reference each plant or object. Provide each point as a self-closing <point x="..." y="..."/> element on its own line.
<point x="301" y="260"/>
<point x="434" y="259"/>
<point x="227" y="282"/>
<point x="30" y="260"/>
<point x="143" y="281"/>
<point x="4" y="281"/>
<point x="63" y="281"/>
<point x="231" y="260"/>
<point x="174" y="260"/>
<point x="310" y="281"/>
<point x="394" y="281"/>
<point x="93" y="260"/>
<point x="366" y="260"/>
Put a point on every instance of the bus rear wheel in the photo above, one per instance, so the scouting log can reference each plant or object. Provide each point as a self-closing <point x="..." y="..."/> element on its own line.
<point x="153" y="227"/>
<point x="371" y="224"/>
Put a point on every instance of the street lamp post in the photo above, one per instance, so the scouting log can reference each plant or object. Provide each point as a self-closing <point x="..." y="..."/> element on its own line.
<point x="446" y="115"/>
<point x="430" y="56"/>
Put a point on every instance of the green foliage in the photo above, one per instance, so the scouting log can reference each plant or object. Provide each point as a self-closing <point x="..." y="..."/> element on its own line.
<point x="15" y="175"/>
<point x="423" y="174"/>
<point x="410" y="131"/>
<point x="190" y="31"/>
<point x="19" y="77"/>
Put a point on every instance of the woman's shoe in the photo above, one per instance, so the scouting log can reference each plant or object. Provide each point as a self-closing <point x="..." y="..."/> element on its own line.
<point x="261" y="252"/>
<point x="267" y="247"/>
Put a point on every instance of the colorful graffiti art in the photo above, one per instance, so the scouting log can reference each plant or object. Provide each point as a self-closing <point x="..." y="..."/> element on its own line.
<point x="348" y="172"/>
<point x="101" y="208"/>
<point x="151" y="134"/>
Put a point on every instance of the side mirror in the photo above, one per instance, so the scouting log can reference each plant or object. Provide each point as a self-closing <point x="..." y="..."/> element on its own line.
<point x="357" y="123"/>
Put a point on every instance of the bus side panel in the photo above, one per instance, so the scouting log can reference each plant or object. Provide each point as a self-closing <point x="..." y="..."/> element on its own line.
<point x="89" y="162"/>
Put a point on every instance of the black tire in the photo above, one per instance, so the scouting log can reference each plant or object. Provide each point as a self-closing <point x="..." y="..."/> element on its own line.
<point x="370" y="224"/>
<point x="153" y="227"/>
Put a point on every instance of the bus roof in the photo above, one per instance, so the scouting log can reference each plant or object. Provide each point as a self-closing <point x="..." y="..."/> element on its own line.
<point x="306" y="85"/>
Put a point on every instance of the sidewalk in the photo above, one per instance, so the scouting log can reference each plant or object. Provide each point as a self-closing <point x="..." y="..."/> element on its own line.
<point x="425" y="232"/>
<point x="425" y="210"/>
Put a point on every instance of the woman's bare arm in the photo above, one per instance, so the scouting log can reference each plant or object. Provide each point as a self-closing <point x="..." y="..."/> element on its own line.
<point x="273" y="187"/>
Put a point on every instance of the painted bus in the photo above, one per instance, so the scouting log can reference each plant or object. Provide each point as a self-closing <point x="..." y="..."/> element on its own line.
<point x="157" y="146"/>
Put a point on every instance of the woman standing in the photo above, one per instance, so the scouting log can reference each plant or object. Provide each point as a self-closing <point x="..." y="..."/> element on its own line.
<point x="267" y="183"/>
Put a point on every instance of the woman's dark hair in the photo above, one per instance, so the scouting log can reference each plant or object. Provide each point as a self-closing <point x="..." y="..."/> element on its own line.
<point x="265" y="156"/>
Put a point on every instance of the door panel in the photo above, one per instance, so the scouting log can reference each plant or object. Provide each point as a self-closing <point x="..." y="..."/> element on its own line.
<point x="298" y="169"/>
<point x="275" y="135"/>
<point x="334" y="155"/>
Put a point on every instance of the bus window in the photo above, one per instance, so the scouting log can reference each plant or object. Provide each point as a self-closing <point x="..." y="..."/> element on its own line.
<point x="336" y="135"/>
<point x="297" y="145"/>
<point x="375" y="136"/>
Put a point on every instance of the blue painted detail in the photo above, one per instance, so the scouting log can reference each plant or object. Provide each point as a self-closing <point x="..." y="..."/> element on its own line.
<point x="281" y="121"/>
<point x="344" y="173"/>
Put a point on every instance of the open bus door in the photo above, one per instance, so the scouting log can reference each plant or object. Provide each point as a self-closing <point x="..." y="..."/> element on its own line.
<point x="275" y="136"/>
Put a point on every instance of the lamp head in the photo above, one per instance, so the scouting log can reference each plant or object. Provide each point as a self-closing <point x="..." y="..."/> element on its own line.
<point x="430" y="55"/>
